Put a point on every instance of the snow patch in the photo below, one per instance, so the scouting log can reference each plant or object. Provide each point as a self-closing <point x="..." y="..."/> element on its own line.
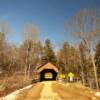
<point x="97" y="94"/>
<point x="13" y="95"/>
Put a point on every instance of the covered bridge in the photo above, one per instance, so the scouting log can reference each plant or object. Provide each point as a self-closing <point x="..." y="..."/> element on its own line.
<point x="47" y="72"/>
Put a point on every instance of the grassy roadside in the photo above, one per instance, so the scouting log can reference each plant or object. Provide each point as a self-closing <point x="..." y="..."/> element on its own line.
<point x="12" y="83"/>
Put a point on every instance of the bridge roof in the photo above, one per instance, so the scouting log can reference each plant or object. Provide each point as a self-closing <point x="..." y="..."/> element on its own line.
<point x="47" y="66"/>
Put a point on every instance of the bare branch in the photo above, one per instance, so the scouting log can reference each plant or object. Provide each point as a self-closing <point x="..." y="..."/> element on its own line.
<point x="31" y="32"/>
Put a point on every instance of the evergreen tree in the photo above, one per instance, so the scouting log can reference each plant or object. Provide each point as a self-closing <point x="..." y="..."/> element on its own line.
<point x="63" y="56"/>
<point x="48" y="53"/>
<point x="68" y="58"/>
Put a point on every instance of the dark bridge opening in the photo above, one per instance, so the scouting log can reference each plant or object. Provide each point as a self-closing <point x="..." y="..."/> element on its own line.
<point x="47" y="75"/>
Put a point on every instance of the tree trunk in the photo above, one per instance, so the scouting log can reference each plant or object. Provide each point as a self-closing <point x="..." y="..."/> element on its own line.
<point x="93" y="62"/>
<point x="82" y="74"/>
<point x="29" y="70"/>
<point x="95" y="72"/>
<point x="25" y="69"/>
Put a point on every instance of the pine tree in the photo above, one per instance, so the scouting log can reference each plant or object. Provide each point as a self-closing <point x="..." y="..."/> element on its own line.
<point x="63" y="56"/>
<point x="68" y="58"/>
<point x="48" y="53"/>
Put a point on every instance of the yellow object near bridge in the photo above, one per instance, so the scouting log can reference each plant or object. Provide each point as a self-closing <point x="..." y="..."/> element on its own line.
<point x="70" y="74"/>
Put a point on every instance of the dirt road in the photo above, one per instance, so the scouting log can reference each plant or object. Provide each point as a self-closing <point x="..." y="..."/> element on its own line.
<point x="32" y="93"/>
<point x="41" y="91"/>
<point x="48" y="93"/>
<point x="74" y="91"/>
<point x="51" y="90"/>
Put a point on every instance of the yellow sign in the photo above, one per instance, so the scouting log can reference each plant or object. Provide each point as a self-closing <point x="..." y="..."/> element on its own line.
<point x="70" y="74"/>
<point x="62" y="75"/>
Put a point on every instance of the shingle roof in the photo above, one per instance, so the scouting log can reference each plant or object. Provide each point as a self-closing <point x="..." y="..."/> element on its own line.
<point x="47" y="66"/>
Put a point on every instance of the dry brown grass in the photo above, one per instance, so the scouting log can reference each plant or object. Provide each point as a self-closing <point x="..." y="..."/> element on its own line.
<point x="12" y="83"/>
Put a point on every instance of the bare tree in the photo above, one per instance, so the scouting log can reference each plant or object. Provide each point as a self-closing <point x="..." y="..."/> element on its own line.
<point x="31" y="32"/>
<point x="86" y="25"/>
<point x="4" y="30"/>
<point x="31" y="36"/>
